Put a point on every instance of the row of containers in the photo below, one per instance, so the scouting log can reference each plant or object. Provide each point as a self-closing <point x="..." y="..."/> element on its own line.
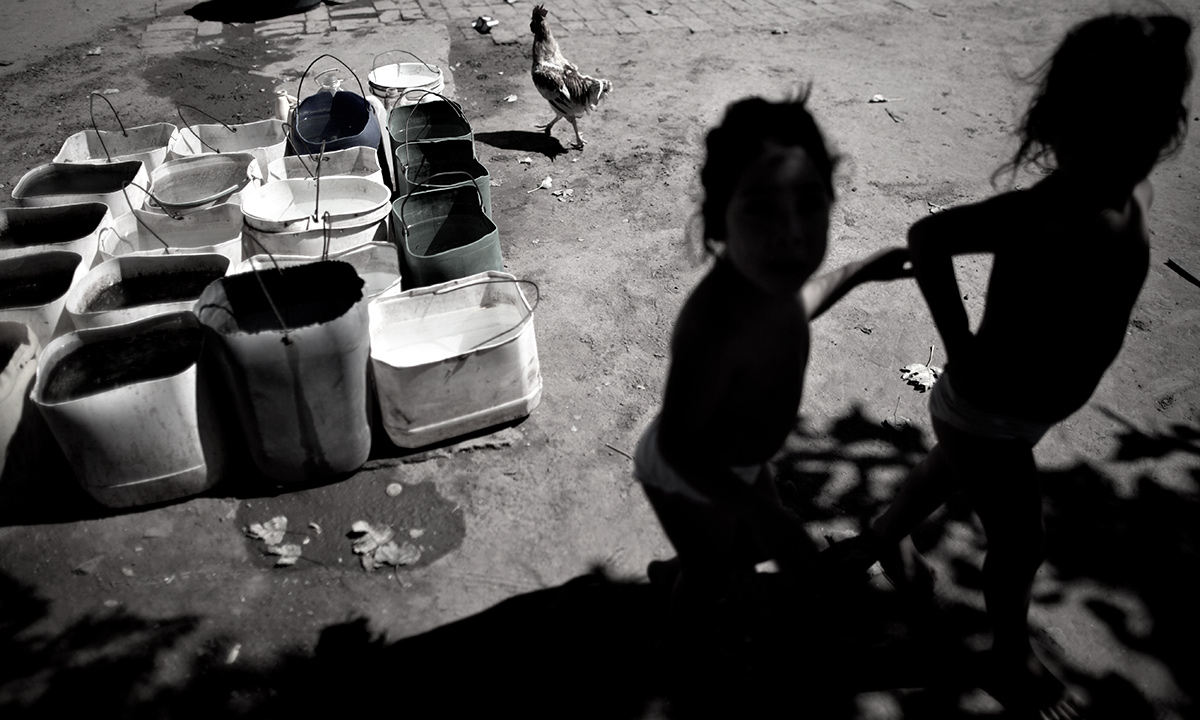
<point x="312" y="277"/>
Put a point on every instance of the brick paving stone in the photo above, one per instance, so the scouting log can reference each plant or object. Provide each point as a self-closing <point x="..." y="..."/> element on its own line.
<point x="645" y="23"/>
<point x="170" y="7"/>
<point x="163" y="42"/>
<point x="625" y="27"/>
<point x="320" y="12"/>
<point x="631" y="10"/>
<point x="912" y="4"/>
<point x="181" y="22"/>
<point x="354" y="12"/>
<point x="385" y="5"/>
<point x="316" y="27"/>
<point x="271" y="27"/>
<point x="704" y="9"/>
<point x="697" y="24"/>
<point x="598" y="27"/>
<point x="837" y="9"/>
<point x="799" y="12"/>
<point x="388" y="17"/>
<point x="670" y="22"/>
<point x="209" y="29"/>
<point x="575" y="26"/>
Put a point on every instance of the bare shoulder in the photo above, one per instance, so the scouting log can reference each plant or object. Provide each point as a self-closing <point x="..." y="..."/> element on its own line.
<point x="980" y="227"/>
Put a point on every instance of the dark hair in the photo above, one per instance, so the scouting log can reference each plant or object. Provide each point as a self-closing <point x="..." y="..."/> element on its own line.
<point x="741" y="137"/>
<point x="1114" y="89"/>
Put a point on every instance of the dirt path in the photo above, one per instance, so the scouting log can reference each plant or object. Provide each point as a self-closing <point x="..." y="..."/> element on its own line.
<point x="514" y="517"/>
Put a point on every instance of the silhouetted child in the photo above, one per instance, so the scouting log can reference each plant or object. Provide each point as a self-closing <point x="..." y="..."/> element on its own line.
<point x="738" y="356"/>
<point x="1070" y="257"/>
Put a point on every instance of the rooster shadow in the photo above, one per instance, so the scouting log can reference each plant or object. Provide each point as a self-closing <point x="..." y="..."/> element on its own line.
<point x="523" y="141"/>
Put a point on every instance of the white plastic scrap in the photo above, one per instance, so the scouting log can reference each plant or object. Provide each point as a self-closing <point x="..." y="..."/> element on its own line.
<point x="510" y="98"/>
<point x="543" y="185"/>
<point x="288" y="554"/>
<point x="378" y="548"/>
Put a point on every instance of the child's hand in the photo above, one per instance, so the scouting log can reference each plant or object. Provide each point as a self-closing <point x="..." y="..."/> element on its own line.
<point x="888" y="264"/>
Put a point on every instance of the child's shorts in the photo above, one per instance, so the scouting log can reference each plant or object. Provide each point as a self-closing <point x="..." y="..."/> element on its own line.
<point x="948" y="406"/>
<point x="652" y="470"/>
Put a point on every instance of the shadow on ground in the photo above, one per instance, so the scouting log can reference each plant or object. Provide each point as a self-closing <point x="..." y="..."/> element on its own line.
<point x="237" y="11"/>
<point x="589" y="648"/>
<point x="523" y="141"/>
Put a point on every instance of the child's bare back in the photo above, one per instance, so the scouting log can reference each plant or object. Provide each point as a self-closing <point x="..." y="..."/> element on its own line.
<point x="1065" y="276"/>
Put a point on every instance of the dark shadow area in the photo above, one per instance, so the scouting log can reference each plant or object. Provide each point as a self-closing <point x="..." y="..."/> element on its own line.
<point x="1125" y="560"/>
<point x="523" y="141"/>
<point x="240" y="11"/>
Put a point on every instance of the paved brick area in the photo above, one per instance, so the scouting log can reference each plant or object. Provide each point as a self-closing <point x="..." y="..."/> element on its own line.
<point x="171" y="28"/>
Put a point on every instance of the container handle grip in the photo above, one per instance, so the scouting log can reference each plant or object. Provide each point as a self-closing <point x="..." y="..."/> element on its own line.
<point x="375" y="61"/>
<point x="179" y="112"/>
<point x="483" y="344"/>
<point x="300" y="86"/>
<point x="92" y="112"/>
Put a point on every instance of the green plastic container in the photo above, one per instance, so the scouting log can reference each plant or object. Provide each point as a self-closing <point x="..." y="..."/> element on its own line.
<point x="445" y="235"/>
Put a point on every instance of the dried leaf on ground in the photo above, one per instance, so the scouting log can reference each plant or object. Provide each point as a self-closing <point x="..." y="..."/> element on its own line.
<point x="921" y="377"/>
<point x="271" y="532"/>
<point x="543" y="185"/>
<point x="369" y="537"/>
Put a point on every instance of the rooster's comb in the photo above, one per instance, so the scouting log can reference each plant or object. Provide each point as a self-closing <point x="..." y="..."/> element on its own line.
<point x="539" y="11"/>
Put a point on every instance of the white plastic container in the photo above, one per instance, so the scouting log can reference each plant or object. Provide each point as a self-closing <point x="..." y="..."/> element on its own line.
<point x="122" y="276"/>
<point x="357" y="161"/>
<point x="147" y="143"/>
<point x="377" y="263"/>
<point x="296" y="205"/>
<point x="49" y="277"/>
<point x="19" y="350"/>
<point x="73" y="228"/>
<point x="143" y="440"/>
<point x="189" y="184"/>
<point x="311" y="243"/>
<point x="453" y="358"/>
<point x="120" y="186"/>
<point x="217" y="229"/>
<point x="265" y="139"/>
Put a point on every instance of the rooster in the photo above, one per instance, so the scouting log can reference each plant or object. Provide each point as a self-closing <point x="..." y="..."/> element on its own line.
<point x="569" y="92"/>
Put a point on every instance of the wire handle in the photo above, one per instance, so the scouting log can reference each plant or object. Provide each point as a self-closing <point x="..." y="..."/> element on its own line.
<point x="453" y="105"/>
<point x="375" y="61"/>
<point x="489" y="280"/>
<point x="92" y="112"/>
<point x="468" y="175"/>
<point x="314" y="62"/>
<point x="179" y="112"/>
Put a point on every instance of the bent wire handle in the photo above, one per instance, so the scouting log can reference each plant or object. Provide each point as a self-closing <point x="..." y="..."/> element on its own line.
<point x="300" y="87"/>
<point x="92" y="112"/>
<point x="179" y="112"/>
<point x="469" y="177"/>
<point x="124" y="192"/>
<point x="483" y="344"/>
<point x="270" y="301"/>
<point x="375" y="61"/>
<point x="416" y="105"/>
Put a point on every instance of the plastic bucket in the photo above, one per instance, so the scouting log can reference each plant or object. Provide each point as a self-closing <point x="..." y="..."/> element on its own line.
<point x="377" y="263"/>
<point x="445" y="236"/>
<point x="295" y="349"/>
<point x="19" y="349"/>
<point x="132" y="408"/>
<point x="133" y="287"/>
<point x="396" y="83"/>
<point x="354" y="162"/>
<point x="73" y="228"/>
<point x="453" y="358"/>
<point x="297" y="205"/>
<point x="117" y="185"/>
<point x="145" y="143"/>
<point x="34" y="288"/>
<point x="188" y="184"/>
<point x="313" y="244"/>
<point x="329" y="121"/>
<point x="217" y="229"/>
<point x="264" y="139"/>
<point x="429" y="120"/>
<point x="424" y="166"/>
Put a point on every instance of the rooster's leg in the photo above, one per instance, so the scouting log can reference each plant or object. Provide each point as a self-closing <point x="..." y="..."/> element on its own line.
<point x="549" y="125"/>
<point x="579" y="141"/>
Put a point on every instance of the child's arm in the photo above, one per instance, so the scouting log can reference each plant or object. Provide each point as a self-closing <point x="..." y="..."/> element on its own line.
<point x="821" y="292"/>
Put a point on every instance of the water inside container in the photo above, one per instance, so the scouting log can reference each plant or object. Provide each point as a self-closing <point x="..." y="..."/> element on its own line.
<point x="419" y="341"/>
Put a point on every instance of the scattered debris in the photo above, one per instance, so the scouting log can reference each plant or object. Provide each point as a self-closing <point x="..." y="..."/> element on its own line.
<point x="510" y="98"/>
<point x="892" y="115"/>
<point x="563" y="195"/>
<point x="896" y="422"/>
<point x="111" y="603"/>
<point x="109" y="91"/>
<point x="160" y="531"/>
<point x="127" y="571"/>
<point x="394" y="489"/>
<point x="618" y="450"/>
<point x="779" y="31"/>
<point x="87" y="567"/>
<point x="938" y="13"/>
<point x="526" y="161"/>
<point x="271" y="532"/>
<point x="416" y="533"/>
<point x="934" y="207"/>
<point x="288" y="554"/>
<point x="377" y="547"/>
<point x="5" y="63"/>
<point x="1182" y="273"/>
<point x="543" y="185"/>
<point x="94" y="51"/>
<point x="877" y="98"/>
<point x="232" y="657"/>
<point x="865" y="329"/>
<point x="921" y="377"/>
<point x="651" y="11"/>
<point x="484" y="24"/>
<point x="315" y="526"/>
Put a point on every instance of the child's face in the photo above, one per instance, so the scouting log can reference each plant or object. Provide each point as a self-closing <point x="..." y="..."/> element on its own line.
<point x="777" y="221"/>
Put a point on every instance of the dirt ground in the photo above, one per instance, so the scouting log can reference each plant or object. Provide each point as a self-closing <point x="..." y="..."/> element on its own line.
<point x="172" y="611"/>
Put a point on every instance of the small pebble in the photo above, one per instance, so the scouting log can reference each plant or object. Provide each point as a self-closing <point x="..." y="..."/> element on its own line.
<point x="394" y="489"/>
